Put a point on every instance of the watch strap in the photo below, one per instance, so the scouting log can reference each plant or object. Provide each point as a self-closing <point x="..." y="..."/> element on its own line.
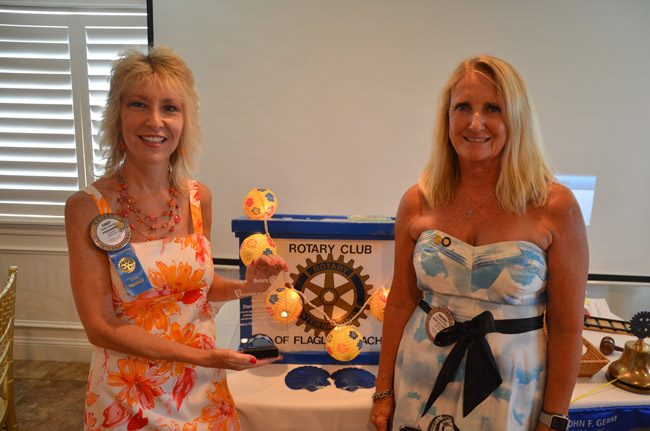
<point x="553" y="421"/>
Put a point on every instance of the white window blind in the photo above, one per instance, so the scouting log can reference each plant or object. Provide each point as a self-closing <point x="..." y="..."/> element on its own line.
<point x="103" y="46"/>
<point x="54" y="66"/>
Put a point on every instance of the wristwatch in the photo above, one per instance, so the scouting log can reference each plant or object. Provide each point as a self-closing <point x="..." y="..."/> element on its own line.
<point x="554" y="422"/>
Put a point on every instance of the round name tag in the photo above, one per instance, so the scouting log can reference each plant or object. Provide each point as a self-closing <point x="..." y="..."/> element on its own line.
<point x="438" y="319"/>
<point x="110" y="232"/>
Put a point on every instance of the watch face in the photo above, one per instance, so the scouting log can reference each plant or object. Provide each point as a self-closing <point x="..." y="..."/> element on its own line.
<point x="559" y="423"/>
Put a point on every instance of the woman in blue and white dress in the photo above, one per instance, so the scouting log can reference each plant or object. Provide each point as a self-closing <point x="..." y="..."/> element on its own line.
<point x="488" y="247"/>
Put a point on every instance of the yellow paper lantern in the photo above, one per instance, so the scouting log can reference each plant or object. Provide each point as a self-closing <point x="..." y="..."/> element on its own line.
<point x="260" y="201"/>
<point x="378" y="303"/>
<point x="255" y="246"/>
<point x="283" y="304"/>
<point x="344" y="343"/>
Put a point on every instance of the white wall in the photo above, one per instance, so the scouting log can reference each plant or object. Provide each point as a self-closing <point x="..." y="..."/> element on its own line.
<point x="330" y="103"/>
<point x="47" y="326"/>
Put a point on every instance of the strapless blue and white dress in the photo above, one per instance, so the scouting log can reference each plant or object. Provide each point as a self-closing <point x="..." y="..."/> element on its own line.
<point x="507" y="279"/>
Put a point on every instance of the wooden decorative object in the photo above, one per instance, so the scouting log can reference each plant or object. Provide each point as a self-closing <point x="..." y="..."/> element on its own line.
<point x="607" y="325"/>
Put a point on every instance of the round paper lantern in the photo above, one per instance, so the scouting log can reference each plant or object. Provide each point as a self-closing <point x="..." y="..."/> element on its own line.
<point x="378" y="303"/>
<point x="344" y="343"/>
<point x="255" y="246"/>
<point x="283" y="304"/>
<point x="258" y="202"/>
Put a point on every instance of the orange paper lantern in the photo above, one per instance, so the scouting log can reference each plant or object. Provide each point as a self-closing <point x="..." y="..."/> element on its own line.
<point x="283" y="304"/>
<point x="344" y="343"/>
<point x="378" y="303"/>
<point x="255" y="246"/>
<point x="258" y="202"/>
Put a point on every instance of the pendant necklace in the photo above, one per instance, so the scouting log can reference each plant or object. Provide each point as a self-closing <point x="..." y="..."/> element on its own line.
<point x="469" y="213"/>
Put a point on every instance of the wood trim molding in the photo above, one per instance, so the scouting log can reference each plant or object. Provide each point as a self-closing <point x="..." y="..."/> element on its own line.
<point x="48" y="324"/>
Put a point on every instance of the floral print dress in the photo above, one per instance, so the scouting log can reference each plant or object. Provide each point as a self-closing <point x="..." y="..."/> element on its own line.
<point x="128" y="392"/>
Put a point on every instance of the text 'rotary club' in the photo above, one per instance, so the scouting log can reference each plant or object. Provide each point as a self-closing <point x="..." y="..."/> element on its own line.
<point x="329" y="248"/>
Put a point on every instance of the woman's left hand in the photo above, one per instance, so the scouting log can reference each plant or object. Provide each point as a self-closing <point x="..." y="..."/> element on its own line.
<point x="262" y="272"/>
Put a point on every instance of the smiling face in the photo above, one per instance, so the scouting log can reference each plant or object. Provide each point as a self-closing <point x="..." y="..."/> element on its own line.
<point x="477" y="122"/>
<point x="152" y="122"/>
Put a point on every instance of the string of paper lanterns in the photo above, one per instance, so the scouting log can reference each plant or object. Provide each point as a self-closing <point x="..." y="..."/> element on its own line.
<point x="258" y="204"/>
<point x="284" y="304"/>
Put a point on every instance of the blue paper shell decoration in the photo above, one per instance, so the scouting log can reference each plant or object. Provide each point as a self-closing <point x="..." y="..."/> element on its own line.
<point x="307" y="377"/>
<point x="352" y="379"/>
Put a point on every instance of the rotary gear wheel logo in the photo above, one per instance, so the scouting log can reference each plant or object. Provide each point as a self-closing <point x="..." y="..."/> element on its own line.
<point x="640" y="324"/>
<point x="127" y="265"/>
<point x="333" y="286"/>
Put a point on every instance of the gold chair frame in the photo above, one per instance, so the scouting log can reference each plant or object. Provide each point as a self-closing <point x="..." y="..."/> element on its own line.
<point x="7" y="313"/>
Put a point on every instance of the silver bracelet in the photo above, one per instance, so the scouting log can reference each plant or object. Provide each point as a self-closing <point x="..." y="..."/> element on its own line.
<point x="383" y="394"/>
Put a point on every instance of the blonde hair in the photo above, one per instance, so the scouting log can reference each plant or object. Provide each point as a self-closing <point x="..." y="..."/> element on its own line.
<point x="525" y="173"/>
<point x="160" y="67"/>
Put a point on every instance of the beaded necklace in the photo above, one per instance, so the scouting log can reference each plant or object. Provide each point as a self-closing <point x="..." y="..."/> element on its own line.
<point x="154" y="226"/>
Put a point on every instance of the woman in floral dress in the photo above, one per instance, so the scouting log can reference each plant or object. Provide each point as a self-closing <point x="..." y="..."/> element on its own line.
<point x="145" y="301"/>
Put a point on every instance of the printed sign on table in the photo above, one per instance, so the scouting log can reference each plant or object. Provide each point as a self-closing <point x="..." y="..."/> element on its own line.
<point x="336" y="279"/>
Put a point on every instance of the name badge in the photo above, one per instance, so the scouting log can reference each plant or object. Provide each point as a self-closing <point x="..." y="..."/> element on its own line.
<point x="112" y="234"/>
<point x="438" y="319"/>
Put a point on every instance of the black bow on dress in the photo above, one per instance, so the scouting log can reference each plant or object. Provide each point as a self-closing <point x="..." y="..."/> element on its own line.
<point x="481" y="373"/>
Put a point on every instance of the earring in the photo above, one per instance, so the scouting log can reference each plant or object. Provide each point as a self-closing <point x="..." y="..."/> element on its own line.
<point x="180" y="151"/>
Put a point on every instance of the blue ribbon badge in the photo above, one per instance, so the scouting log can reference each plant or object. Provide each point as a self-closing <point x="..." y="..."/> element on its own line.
<point x="112" y="234"/>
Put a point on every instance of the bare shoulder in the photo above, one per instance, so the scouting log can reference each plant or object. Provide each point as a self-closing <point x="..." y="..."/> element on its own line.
<point x="409" y="214"/>
<point x="412" y="202"/>
<point x="563" y="213"/>
<point x="80" y="211"/>
<point x="561" y="203"/>
<point x="79" y="208"/>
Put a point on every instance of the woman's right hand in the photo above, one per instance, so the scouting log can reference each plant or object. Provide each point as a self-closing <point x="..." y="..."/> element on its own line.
<point x="382" y="413"/>
<point x="233" y="360"/>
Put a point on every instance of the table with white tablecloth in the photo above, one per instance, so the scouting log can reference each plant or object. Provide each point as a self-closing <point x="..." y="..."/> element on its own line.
<point x="265" y="403"/>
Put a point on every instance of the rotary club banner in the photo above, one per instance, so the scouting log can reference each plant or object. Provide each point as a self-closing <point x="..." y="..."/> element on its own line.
<point x="335" y="280"/>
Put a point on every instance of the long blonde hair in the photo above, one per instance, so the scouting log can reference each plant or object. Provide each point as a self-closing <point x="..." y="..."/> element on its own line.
<point x="161" y="66"/>
<point x="525" y="173"/>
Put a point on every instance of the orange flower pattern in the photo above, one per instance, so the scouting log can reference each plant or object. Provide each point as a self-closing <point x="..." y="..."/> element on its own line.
<point x="138" y="381"/>
<point x="175" y="278"/>
<point x="151" y="313"/>
<point x="217" y="414"/>
<point x="201" y="248"/>
<point x="127" y="392"/>
<point x="196" y="209"/>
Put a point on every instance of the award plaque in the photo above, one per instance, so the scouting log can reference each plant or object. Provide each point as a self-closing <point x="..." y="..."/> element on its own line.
<point x="261" y="346"/>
